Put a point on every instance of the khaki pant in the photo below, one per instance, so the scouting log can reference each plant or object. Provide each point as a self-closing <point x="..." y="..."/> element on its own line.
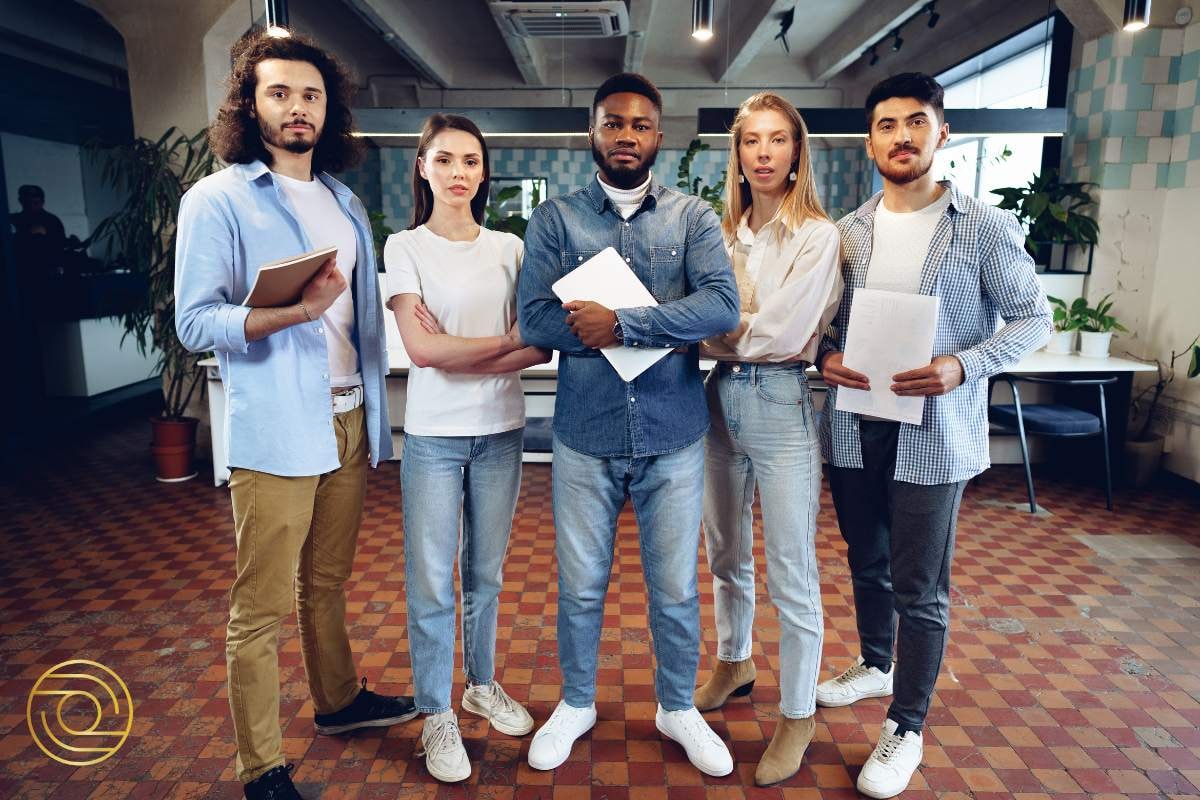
<point x="295" y="538"/>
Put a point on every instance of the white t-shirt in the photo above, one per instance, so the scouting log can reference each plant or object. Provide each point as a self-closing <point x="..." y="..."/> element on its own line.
<point x="627" y="201"/>
<point x="900" y="244"/>
<point x="471" y="287"/>
<point x="326" y="224"/>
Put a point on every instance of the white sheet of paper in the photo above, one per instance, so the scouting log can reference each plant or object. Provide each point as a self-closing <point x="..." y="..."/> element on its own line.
<point x="606" y="279"/>
<point x="888" y="333"/>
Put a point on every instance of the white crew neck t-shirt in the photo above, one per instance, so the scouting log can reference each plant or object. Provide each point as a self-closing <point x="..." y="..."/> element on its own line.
<point x="471" y="287"/>
<point x="327" y="225"/>
<point x="900" y="244"/>
<point x="627" y="201"/>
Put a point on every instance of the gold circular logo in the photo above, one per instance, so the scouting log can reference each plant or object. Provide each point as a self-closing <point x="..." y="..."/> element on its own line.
<point x="75" y="691"/>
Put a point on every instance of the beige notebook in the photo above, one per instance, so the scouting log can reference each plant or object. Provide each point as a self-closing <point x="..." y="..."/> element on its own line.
<point x="280" y="283"/>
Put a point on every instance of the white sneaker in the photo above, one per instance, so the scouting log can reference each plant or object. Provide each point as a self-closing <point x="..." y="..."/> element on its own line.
<point x="552" y="743"/>
<point x="890" y="768"/>
<point x="704" y="748"/>
<point x="442" y="746"/>
<point x="857" y="683"/>
<point x="490" y="701"/>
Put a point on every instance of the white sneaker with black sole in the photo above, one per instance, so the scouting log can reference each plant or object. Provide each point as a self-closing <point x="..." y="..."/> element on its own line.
<point x="892" y="764"/>
<point x="442" y="745"/>
<point x="490" y="701"/>
<point x="857" y="683"/>
<point x="704" y="748"/>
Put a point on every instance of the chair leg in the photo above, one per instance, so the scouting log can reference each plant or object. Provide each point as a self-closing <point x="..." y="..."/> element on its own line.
<point x="1028" y="470"/>
<point x="1107" y="460"/>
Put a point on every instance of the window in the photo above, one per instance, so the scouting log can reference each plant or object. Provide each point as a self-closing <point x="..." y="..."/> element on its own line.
<point x="1013" y="74"/>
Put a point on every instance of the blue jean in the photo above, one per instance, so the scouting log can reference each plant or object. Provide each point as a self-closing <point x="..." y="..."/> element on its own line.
<point x="589" y="493"/>
<point x="763" y="433"/>
<point x="441" y="477"/>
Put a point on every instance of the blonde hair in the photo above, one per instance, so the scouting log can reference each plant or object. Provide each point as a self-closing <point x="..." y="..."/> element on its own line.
<point x="800" y="201"/>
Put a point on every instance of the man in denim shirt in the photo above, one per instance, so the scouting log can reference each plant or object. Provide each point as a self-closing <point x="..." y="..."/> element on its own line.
<point x="643" y="438"/>
<point x="306" y="408"/>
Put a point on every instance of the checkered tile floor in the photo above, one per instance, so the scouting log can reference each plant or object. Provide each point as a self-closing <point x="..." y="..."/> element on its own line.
<point x="1069" y="674"/>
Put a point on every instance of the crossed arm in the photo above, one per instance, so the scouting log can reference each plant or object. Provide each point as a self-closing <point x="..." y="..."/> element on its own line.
<point x="428" y="345"/>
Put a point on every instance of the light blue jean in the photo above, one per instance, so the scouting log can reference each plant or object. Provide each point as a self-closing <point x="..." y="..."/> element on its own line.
<point x="589" y="493"/>
<point x="454" y="484"/>
<point x="763" y="433"/>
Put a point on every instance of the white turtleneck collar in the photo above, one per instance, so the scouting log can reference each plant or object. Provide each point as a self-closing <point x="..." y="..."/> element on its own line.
<point x="627" y="201"/>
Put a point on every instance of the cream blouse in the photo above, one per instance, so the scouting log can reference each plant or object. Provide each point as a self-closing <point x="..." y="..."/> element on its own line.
<point x="790" y="283"/>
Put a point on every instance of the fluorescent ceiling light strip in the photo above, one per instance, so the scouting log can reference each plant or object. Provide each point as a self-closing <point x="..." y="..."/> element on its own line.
<point x="953" y="135"/>
<point x="492" y="135"/>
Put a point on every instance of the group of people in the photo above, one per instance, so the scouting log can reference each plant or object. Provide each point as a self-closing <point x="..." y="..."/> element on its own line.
<point x="765" y="291"/>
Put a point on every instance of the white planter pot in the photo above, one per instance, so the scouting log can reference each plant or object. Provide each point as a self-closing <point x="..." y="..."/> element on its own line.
<point x="1061" y="342"/>
<point x="1094" y="345"/>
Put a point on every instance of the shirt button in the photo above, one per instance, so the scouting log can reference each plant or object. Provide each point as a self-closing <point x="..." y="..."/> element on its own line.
<point x="672" y="252"/>
<point x="325" y="375"/>
<point x="320" y="330"/>
<point x="626" y="224"/>
<point x="633" y="399"/>
<point x="737" y="368"/>
<point x="627" y="261"/>
<point x="581" y="258"/>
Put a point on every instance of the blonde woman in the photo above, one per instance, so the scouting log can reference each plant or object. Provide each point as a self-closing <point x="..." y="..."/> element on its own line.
<point x="785" y="254"/>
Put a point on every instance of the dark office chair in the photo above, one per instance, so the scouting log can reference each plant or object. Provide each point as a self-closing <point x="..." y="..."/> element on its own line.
<point x="1052" y="419"/>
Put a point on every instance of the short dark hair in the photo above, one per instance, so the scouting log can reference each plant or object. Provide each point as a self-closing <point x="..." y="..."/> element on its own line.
<point x="29" y="191"/>
<point x="235" y="136"/>
<point x="917" y="85"/>
<point x="628" y="82"/>
<point x="422" y="192"/>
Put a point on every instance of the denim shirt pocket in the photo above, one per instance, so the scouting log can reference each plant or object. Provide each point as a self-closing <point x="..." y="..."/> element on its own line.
<point x="667" y="281"/>
<point x="575" y="258"/>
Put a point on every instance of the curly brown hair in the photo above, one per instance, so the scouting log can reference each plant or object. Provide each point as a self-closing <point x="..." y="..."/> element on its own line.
<point x="235" y="136"/>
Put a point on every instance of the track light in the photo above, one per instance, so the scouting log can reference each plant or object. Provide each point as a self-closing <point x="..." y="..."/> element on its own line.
<point x="933" y="15"/>
<point x="897" y="42"/>
<point x="702" y="19"/>
<point x="1137" y="14"/>
<point x="874" y="56"/>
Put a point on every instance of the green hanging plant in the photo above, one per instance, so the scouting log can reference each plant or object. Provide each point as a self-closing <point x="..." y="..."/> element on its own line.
<point x="713" y="195"/>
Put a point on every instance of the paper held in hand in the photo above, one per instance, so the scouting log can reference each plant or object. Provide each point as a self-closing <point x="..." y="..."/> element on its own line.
<point x="888" y="333"/>
<point x="280" y="283"/>
<point x="606" y="279"/>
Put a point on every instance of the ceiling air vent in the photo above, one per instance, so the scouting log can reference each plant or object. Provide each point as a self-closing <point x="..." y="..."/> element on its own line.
<point x="579" y="19"/>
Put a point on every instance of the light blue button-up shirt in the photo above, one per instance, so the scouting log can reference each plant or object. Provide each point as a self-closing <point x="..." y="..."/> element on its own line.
<point x="278" y="411"/>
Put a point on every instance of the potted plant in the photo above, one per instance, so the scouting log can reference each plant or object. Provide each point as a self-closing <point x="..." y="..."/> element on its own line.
<point x="1096" y="328"/>
<point x="1143" y="451"/>
<point x="713" y="195"/>
<point x="1066" y="322"/>
<point x="153" y="175"/>
<point x="1051" y="212"/>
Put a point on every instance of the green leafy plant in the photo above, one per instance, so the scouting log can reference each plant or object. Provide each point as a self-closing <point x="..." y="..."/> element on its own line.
<point x="1097" y="319"/>
<point x="380" y="231"/>
<point x="515" y="224"/>
<point x="153" y="175"/>
<point x="1067" y="318"/>
<point x="713" y="195"/>
<point x="1052" y="210"/>
<point x="1166" y="374"/>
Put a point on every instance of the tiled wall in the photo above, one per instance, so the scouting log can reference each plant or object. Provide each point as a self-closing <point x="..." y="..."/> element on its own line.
<point x="384" y="180"/>
<point x="1134" y="117"/>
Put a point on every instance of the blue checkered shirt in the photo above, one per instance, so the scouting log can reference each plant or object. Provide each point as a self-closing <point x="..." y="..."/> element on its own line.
<point x="978" y="268"/>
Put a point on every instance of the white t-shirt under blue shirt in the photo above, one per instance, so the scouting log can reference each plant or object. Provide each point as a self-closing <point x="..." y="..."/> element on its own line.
<point x="471" y="287"/>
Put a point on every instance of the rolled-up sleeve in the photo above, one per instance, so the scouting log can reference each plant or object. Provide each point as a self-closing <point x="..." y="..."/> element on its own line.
<point x="205" y="316"/>
<point x="1010" y="281"/>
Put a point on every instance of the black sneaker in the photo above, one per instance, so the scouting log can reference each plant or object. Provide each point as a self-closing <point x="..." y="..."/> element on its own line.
<point x="367" y="710"/>
<point x="274" y="784"/>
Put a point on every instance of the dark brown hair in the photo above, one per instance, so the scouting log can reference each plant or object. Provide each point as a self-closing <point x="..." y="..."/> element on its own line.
<point x="235" y="136"/>
<point x="916" y="85"/>
<point x="423" y="192"/>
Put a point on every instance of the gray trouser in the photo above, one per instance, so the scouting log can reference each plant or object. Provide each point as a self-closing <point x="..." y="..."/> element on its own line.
<point x="901" y="540"/>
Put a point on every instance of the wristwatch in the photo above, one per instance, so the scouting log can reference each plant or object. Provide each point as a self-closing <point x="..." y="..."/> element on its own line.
<point x="617" y="332"/>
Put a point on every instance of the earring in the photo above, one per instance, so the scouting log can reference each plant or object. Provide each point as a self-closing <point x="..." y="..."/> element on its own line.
<point x="741" y="178"/>
<point x="792" y="176"/>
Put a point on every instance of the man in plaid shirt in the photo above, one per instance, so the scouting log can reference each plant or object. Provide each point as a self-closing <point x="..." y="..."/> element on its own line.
<point x="897" y="487"/>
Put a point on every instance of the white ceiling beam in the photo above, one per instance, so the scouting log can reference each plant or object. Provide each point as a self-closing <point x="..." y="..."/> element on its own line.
<point x="866" y="26"/>
<point x="754" y="25"/>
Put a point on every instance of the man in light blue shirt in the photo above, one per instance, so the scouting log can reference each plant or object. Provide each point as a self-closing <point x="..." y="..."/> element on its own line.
<point x="306" y="409"/>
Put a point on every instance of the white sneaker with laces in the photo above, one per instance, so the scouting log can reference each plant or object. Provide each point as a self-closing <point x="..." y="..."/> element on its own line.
<point x="490" y="701"/>
<point x="857" y="683"/>
<point x="892" y="764"/>
<point x="442" y="746"/>
<point x="704" y="748"/>
<point x="552" y="743"/>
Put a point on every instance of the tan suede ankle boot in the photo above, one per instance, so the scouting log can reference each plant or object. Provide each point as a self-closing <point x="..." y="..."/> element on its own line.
<point x="786" y="750"/>
<point x="734" y="678"/>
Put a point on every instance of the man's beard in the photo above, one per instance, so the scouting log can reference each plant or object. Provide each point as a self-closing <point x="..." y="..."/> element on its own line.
<point x="276" y="137"/>
<point x="905" y="174"/>
<point x="620" y="175"/>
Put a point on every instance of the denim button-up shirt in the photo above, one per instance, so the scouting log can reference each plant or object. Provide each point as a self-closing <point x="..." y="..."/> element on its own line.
<point x="673" y="244"/>
<point x="278" y="411"/>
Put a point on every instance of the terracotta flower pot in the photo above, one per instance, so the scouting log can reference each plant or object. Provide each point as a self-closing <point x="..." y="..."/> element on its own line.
<point x="174" y="448"/>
